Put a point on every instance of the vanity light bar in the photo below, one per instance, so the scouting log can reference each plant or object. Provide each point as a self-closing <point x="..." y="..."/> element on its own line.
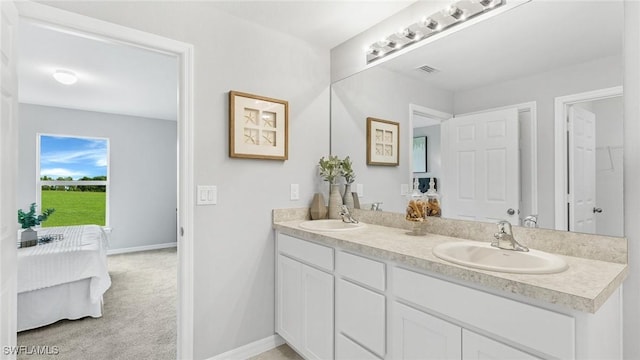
<point x="430" y="25"/>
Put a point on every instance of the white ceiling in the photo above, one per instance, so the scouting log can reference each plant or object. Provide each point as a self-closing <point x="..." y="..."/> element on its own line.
<point x="325" y="23"/>
<point x="112" y="78"/>
<point x="116" y="78"/>
<point x="535" y="37"/>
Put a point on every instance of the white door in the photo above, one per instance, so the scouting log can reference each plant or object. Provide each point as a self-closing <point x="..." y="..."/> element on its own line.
<point x="481" y="167"/>
<point x="420" y="336"/>
<point x="582" y="170"/>
<point x="478" y="347"/>
<point x="8" y="171"/>
<point x="317" y="310"/>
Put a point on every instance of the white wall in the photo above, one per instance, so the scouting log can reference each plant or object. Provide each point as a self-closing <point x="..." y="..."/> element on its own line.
<point x="544" y="88"/>
<point x="381" y="94"/>
<point x="142" y="189"/>
<point x="234" y="252"/>
<point x="631" y="309"/>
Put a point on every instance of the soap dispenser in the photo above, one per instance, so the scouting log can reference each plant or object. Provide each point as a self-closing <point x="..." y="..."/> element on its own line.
<point x="433" y="200"/>
<point x="416" y="209"/>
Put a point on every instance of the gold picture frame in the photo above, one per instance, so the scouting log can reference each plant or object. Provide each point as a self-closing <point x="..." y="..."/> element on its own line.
<point x="258" y="127"/>
<point x="383" y="138"/>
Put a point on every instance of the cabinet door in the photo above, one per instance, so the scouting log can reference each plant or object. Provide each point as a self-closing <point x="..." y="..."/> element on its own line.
<point x="360" y="315"/>
<point x="348" y="350"/>
<point x="317" y="310"/>
<point x="289" y="302"/>
<point x="477" y="347"/>
<point x="418" y="335"/>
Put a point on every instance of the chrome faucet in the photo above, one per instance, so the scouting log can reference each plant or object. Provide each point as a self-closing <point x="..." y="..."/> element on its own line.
<point x="346" y="215"/>
<point x="505" y="240"/>
<point x="530" y="221"/>
<point x="376" y="206"/>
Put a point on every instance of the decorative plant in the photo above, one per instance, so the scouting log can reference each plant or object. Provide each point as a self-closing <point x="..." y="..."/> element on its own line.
<point x="330" y="168"/>
<point x="30" y="218"/>
<point x="346" y="170"/>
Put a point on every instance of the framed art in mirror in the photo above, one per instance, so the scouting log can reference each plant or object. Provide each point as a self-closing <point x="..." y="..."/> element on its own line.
<point x="383" y="137"/>
<point x="258" y="127"/>
<point x="420" y="154"/>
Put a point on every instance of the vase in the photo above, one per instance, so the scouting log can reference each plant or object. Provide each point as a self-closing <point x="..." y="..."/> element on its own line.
<point x="335" y="202"/>
<point x="29" y="237"/>
<point x="318" y="208"/>
<point x="347" y="198"/>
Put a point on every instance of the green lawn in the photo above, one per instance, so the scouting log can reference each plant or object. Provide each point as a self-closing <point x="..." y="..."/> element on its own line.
<point x="74" y="207"/>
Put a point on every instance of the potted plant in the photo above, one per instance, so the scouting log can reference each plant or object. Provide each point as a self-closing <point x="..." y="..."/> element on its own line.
<point x="29" y="219"/>
<point x="330" y="170"/>
<point x="346" y="170"/>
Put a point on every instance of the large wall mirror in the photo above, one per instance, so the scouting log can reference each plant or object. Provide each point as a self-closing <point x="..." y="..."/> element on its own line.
<point x="522" y="115"/>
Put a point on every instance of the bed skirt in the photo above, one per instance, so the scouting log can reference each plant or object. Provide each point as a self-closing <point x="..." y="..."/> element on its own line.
<point x="66" y="301"/>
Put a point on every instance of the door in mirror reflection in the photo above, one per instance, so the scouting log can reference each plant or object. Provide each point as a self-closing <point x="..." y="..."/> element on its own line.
<point x="481" y="177"/>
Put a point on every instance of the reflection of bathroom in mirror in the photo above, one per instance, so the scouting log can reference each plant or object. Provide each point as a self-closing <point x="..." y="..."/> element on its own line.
<point x="499" y="82"/>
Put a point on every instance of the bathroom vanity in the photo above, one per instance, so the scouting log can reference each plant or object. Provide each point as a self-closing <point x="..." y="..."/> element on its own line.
<point x="376" y="292"/>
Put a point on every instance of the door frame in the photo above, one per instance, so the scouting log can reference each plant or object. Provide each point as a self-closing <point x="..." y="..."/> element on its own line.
<point x="561" y="106"/>
<point x="106" y="31"/>
<point x="437" y="116"/>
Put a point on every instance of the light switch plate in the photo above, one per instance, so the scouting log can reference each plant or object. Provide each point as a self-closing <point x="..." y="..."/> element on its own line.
<point x="207" y="195"/>
<point x="360" y="190"/>
<point x="295" y="192"/>
<point x="404" y="189"/>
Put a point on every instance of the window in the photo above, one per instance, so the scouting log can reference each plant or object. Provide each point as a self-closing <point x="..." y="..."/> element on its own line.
<point x="73" y="179"/>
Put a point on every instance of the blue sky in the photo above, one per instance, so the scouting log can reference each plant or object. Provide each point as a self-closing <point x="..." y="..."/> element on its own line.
<point x="71" y="156"/>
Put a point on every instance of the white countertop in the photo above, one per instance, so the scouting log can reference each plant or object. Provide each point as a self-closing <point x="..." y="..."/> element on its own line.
<point x="585" y="286"/>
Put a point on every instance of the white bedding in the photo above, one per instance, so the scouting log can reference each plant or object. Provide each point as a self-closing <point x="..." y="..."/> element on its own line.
<point x="80" y="255"/>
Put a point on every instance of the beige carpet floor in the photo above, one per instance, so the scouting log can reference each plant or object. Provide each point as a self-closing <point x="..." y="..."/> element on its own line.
<point x="282" y="352"/>
<point x="139" y="317"/>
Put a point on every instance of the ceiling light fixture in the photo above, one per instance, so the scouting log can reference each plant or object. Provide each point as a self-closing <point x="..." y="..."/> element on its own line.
<point x="452" y="15"/>
<point x="65" y="77"/>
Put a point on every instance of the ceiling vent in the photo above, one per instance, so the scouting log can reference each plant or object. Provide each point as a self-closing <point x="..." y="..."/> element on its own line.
<point x="428" y="69"/>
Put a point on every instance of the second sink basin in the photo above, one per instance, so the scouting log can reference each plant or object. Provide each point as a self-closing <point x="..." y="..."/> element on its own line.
<point x="329" y="225"/>
<point x="484" y="256"/>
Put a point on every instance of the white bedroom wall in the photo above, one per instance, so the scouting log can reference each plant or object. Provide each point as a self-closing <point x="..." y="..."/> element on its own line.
<point x="234" y="245"/>
<point x="543" y="88"/>
<point x="142" y="192"/>
<point x="382" y="94"/>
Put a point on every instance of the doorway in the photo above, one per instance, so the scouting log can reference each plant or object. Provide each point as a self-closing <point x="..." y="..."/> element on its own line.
<point x="589" y="171"/>
<point x="118" y="34"/>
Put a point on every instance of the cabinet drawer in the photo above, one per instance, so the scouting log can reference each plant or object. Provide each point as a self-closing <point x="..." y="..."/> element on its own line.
<point x="360" y="269"/>
<point x="546" y="331"/>
<point x="361" y="315"/>
<point x="313" y="254"/>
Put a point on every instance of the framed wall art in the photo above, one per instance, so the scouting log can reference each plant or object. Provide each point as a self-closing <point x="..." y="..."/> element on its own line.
<point x="258" y="127"/>
<point x="383" y="137"/>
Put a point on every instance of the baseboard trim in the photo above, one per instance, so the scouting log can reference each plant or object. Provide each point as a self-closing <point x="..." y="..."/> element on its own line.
<point x="251" y="349"/>
<point x="141" y="248"/>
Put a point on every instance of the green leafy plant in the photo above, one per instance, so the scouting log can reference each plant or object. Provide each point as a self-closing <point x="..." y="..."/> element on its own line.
<point x="330" y="168"/>
<point x="346" y="170"/>
<point x="29" y="219"/>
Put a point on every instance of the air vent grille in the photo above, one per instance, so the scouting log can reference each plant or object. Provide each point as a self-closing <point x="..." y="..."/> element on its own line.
<point x="428" y="69"/>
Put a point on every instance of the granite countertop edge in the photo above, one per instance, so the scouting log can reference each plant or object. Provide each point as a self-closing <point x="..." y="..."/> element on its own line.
<point x="575" y="288"/>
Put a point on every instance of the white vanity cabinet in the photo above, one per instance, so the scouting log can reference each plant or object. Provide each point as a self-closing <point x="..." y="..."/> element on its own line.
<point x="387" y="311"/>
<point x="304" y="297"/>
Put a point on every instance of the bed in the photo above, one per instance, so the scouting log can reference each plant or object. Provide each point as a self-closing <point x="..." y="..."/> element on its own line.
<point x="63" y="279"/>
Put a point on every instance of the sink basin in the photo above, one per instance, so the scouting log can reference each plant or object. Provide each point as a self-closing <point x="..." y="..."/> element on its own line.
<point x="330" y="225"/>
<point x="486" y="257"/>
